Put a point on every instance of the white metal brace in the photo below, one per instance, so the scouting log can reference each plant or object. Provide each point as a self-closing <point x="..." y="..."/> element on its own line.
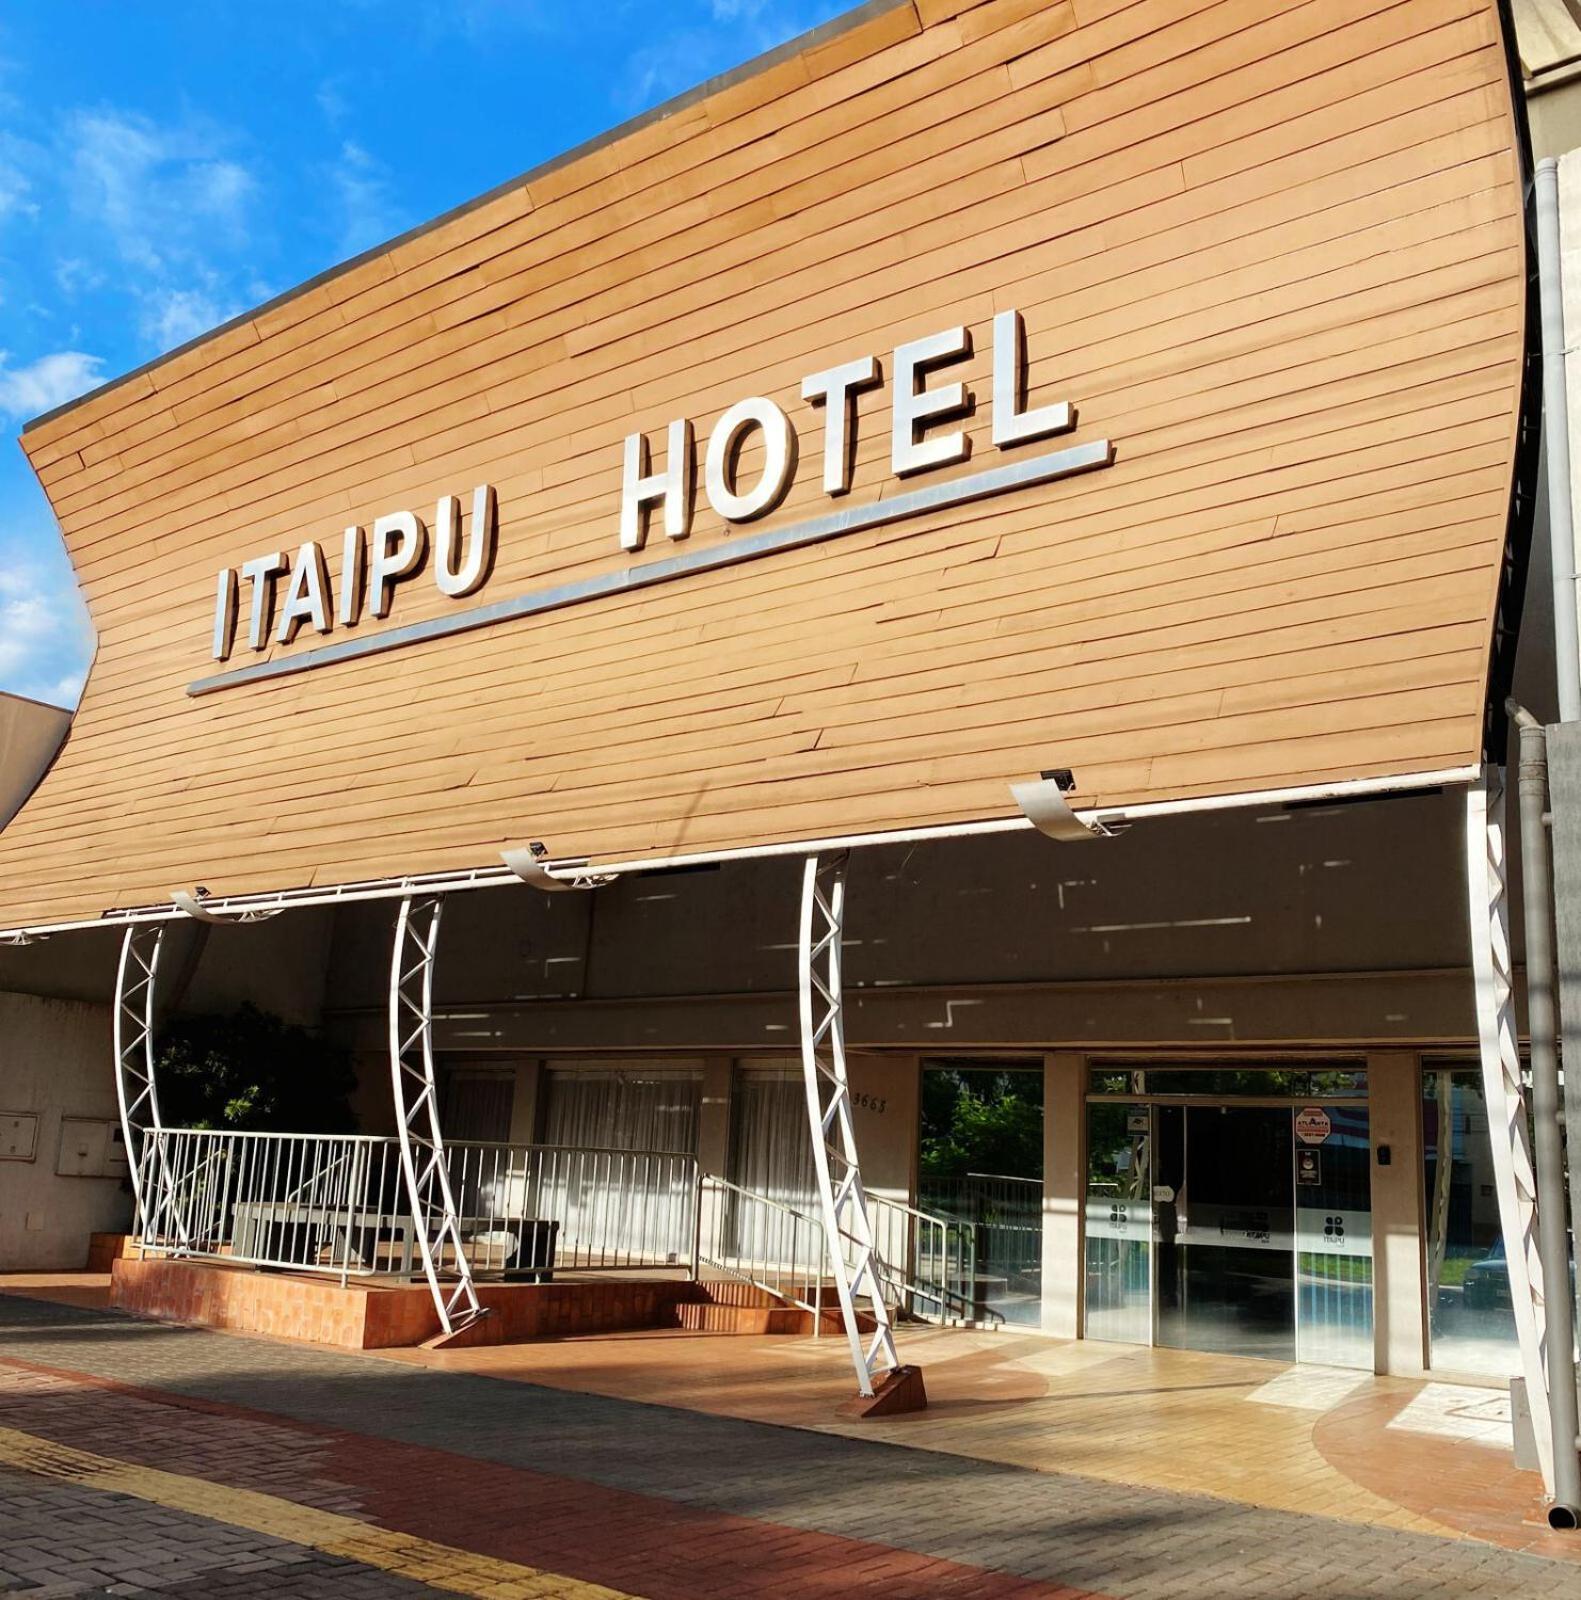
<point x="1514" y="1182"/>
<point x="136" y="1085"/>
<point x="433" y="1205"/>
<point x="839" y="1174"/>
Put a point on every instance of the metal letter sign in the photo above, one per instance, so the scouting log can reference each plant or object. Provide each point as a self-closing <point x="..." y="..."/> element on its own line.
<point x="928" y="412"/>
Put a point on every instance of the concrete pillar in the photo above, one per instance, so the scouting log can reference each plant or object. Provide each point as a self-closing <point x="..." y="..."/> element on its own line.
<point x="1064" y="1147"/>
<point x="1399" y="1304"/>
<point x="713" y="1122"/>
<point x="524" y="1102"/>
<point x="886" y="1111"/>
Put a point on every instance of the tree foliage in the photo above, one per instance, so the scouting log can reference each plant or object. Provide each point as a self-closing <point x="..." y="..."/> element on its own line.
<point x="981" y="1121"/>
<point x="251" y="1070"/>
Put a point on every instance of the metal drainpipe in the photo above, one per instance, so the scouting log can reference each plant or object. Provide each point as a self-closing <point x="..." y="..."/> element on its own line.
<point x="1556" y="444"/>
<point x="1553" y="1232"/>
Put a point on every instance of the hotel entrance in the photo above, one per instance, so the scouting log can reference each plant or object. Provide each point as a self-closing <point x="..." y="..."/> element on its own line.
<point x="1227" y="1209"/>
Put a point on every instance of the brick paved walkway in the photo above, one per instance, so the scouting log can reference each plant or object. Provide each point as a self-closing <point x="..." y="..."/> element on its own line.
<point x="135" y="1457"/>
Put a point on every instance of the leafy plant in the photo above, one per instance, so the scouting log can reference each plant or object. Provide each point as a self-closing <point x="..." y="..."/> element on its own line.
<point x="981" y="1121"/>
<point x="251" y="1070"/>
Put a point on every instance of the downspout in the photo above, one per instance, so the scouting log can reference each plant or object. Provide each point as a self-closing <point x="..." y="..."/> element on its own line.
<point x="1553" y="1231"/>
<point x="1556" y="443"/>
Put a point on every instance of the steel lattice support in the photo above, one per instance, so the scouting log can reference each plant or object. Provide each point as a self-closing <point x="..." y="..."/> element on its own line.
<point x="136" y="1089"/>
<point x="1514" y="1181"/>
<point x="136" y="1083"/>
<point x="417" y="1110"/>
<point x="839" y="1174"/>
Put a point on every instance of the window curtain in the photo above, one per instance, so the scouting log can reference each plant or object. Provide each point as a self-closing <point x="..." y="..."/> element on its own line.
<point x="770" y="1154"/>
<point x="611" y="1180"/>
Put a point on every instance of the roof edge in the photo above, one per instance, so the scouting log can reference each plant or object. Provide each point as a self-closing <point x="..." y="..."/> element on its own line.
<point x="833" y="28"/>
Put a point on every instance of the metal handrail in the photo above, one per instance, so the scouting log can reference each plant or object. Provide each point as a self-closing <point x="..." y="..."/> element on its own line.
<point x="929" y="1262"/>
<point x="761" y="1241"/>
<point x="305" y="1202"/>
<point x="612" y="1208"/>
<point x="333" y="1203"/>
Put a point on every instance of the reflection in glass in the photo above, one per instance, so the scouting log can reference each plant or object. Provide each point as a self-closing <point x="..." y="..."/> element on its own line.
<point x="982" y="1162"/>
<point x="1225" y="1229"/>
<point x="1334" y="1243"/>
<point x="1264" y="1082"/>
<point x="1471" y="1319"/>
<point x="1117" y="1221"/>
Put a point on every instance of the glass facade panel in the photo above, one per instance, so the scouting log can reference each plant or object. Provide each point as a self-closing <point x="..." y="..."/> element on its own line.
<point x="1471" y="1321"/>
<point x="982" y="1162"/>
<point x="1255" y="1081"/>
<point x="1118" y="1223"/>
<point x="1231" y="1226"/>
<point x="1334" y="1242"/>
<point x="1224" y="1226"/>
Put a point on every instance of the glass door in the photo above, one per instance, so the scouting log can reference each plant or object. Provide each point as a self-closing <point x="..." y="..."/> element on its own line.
<point x="1224" y="1229"/>
<point x="1118" y="1223"/>
<point x="1333" y="1182"/>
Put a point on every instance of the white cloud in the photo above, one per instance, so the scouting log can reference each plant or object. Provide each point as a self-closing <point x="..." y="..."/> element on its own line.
<point x="46" y="641"/>
<point x="679" y="60"/>
<point x="50" y="381"/>
<point x="332" y="102"/>
<point x="171" y="317"/>
<point x="74" y="276"/>
<point x="369" y="215"/>
<point x="162" y="193"/>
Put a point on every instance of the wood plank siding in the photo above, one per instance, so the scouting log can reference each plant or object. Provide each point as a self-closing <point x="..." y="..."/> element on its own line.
<point x="1272" y="249"/>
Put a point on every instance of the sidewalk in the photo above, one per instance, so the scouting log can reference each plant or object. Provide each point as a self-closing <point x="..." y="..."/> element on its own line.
<point x="177" y="1461"/>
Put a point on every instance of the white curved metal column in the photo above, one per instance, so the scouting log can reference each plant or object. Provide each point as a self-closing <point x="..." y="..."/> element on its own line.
<point x="838" y="1169"/>
<point x="136" y="1084"/>
<point x="427" y="1177"/>
<point x="1514" y="1181"/>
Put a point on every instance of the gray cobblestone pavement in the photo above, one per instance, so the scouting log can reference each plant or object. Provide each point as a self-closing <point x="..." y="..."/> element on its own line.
<point x="1124" y="1541"/>
<point x="62" y="1539"/>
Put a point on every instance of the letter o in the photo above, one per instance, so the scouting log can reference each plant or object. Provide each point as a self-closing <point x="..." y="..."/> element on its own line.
<point x="779" y="463"/>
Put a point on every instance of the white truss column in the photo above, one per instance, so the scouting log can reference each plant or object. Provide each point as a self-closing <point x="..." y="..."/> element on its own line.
<point x="1487" y="885"/>
<point x="848" y="1230"/>
<point x="136" y="1082"/>
<point x="412" y="1078"/>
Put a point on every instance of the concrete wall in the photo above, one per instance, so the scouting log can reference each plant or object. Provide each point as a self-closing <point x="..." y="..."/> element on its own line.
<point x="1343" y="924"/>
<point x="55" y="1064"/>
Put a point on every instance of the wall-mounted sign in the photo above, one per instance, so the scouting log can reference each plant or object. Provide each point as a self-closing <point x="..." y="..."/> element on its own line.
<point x="926" y="432"/>
<point x="369" y="572"/>
<point x="1313" y="1125"/>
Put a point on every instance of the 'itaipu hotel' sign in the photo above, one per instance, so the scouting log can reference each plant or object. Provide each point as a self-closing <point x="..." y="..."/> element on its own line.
<point x="721" y="483"/>
<point x="462" y="561"/>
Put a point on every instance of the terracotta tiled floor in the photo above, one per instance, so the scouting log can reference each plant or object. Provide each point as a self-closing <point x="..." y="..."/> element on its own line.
<point x="1254" y="1432"/>
<point x="1167" y="1419"/>
<point x="678" y="1466"/>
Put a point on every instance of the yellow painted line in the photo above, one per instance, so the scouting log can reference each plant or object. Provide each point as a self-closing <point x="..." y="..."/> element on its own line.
<point x="441" y="1566"/>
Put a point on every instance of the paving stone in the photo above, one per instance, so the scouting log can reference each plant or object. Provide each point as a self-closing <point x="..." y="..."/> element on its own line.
<point x="960" y="1527"/>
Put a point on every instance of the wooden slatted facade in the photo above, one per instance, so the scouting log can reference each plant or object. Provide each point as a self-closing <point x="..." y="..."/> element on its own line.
<point x="1272" y="249"/>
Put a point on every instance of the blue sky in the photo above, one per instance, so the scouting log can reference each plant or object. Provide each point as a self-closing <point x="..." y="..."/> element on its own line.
<point x="166" y="165"/>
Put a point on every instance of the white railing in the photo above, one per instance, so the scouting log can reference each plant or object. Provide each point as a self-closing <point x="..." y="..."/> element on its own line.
<point x="764" y="1242"/>
<point x="929" y="1262"/>
<point x="312" y="1202"/>
<point x="335" y="1203"/>
<point x="620" y="1209"/>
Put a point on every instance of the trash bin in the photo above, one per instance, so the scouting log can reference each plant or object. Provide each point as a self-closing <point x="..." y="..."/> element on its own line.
<point x="532" y="1261"/>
